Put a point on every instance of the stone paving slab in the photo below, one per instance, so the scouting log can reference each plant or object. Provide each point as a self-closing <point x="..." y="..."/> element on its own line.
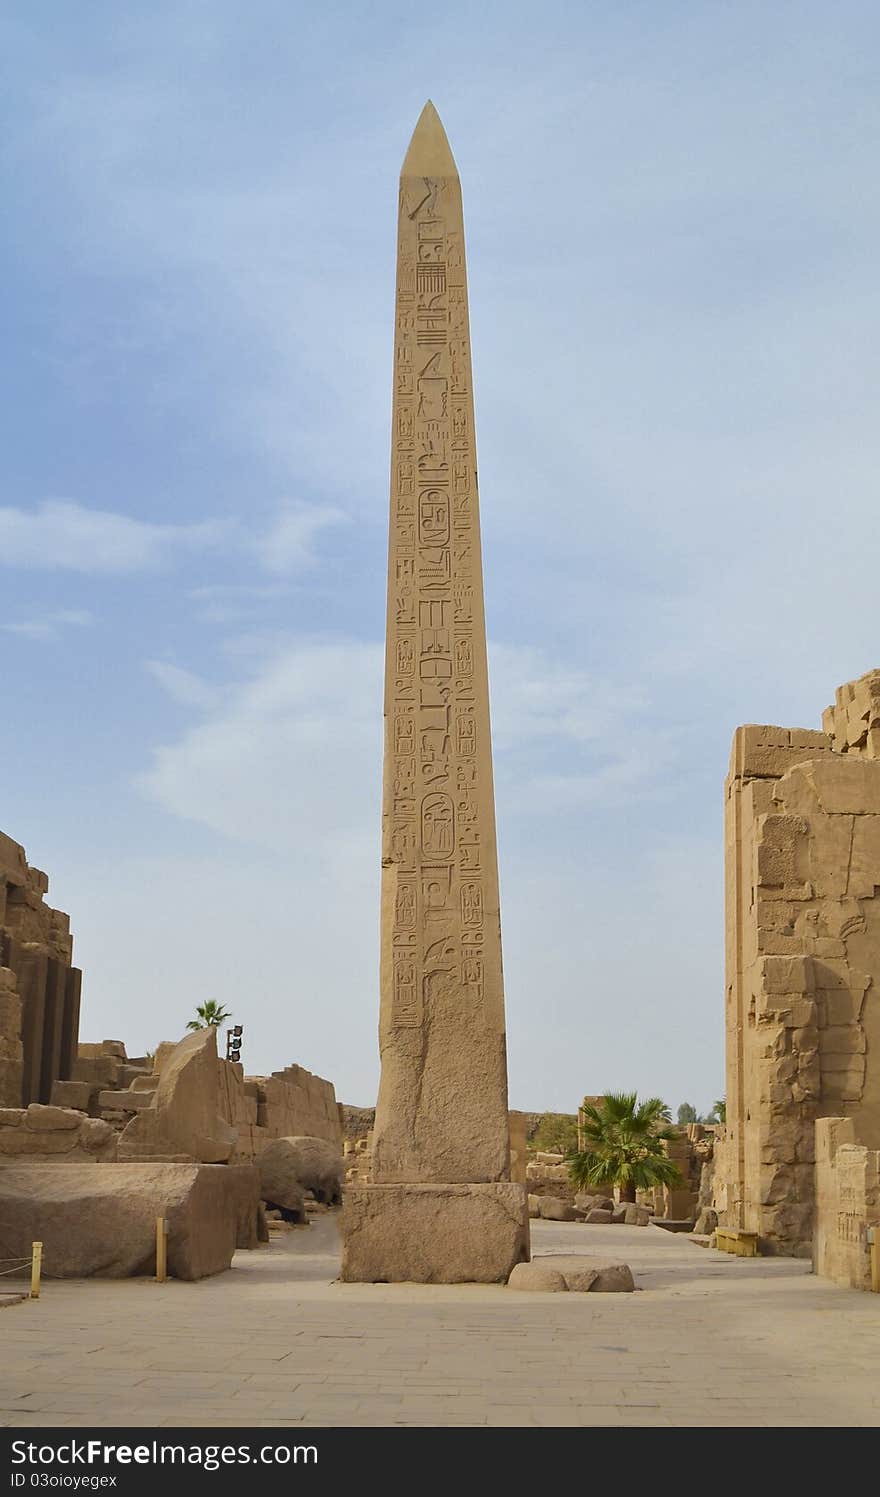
<point x="707" y="1340"/>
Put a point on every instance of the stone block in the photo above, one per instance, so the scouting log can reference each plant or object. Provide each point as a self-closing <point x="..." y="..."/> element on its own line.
<point x="72" y="1094"/>
<point x="103" y="1221"/>
<point x="598" y="1217"/>
<point x="98" y="1070"/>
<point x="124" y="1101"/>
<point x="787" y="975"/>
<point x="842" y="1039"/>
<point x="537" y="1277"/>
<point x="554" y="1209"/>
<point x="183" y="1114"/>
<point x="44" y="1119"/>
<point x="581" y="1275"/>
<point x="433" y="1234"/>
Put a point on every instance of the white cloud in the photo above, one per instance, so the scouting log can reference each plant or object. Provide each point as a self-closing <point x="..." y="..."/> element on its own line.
<point x="289" y="760"/>
<point x="291" y="756"/>
<point x="59" y="533"/>
<point x="48" y="625"/>
<point x="62" y="534"/>
<point x="183" y="686"/>
<point x="535" y="696"/>
<point x="287" y="546"/>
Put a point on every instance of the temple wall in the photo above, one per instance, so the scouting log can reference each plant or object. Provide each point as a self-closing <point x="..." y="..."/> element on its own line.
<point x="847" y="1205"/>
<point x="39" y="988"/>
<point x="802" y="861"/>
<point x="287" y="1104"/>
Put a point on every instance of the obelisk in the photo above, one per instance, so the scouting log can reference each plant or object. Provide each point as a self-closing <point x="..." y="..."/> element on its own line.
<point x="440" y="1206"/>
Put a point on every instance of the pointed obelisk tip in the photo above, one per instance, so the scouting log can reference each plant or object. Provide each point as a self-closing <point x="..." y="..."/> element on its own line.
<point x="429" y="154"/>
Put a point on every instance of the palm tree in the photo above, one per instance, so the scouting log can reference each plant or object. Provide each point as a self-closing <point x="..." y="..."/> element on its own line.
<point x="623" y="1145"/>
<point x="719" y="1112"/>
<point x="208" y="1013"/>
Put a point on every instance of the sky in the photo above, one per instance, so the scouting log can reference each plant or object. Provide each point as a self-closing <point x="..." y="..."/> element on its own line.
<point x="672" y="223"/>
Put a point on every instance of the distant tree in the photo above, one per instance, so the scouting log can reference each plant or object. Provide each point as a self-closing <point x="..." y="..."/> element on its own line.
<point x="719" y="1112"/>
<point x="623" y="1146"/>
<point x="556" y="1133"/>
<point x="687" y="1113"/>
<point x="209" y="1013"/>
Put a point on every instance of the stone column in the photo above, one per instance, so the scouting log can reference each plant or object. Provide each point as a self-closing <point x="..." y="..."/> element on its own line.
<point x="441" y="1206"/>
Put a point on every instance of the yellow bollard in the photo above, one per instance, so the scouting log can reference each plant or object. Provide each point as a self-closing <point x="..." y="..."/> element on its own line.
<point x="36" y="1266"/>
<point x="161" y="1250"/>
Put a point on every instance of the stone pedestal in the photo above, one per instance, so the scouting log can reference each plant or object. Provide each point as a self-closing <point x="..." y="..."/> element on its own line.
<point x="434" y="1234"/>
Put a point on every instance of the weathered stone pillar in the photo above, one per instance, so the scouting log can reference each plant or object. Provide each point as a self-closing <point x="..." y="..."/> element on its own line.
<point x="441" y="1206"/>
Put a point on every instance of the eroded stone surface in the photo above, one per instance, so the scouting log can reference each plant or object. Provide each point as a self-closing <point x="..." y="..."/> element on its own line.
<point x="433" y="1234"/>
<point x="182" y="1116"/>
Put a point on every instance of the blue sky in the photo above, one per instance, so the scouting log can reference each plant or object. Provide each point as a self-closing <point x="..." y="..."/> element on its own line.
<point x="672" y="219"/>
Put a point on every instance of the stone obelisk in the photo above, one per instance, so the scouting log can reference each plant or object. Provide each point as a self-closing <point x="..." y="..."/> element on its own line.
<point x="441" y="1206"/>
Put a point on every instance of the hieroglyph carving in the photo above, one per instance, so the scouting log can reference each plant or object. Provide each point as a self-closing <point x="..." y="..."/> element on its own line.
<point x="439" y="834"/>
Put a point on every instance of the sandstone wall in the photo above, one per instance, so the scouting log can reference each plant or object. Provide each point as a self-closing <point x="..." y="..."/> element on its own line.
<point x="286" y="1104"/>
<point x="847" y="1180"/>
<point x="39" y="989"/>
<point x="34" y="1134"/>
<point x="802" y="835"/>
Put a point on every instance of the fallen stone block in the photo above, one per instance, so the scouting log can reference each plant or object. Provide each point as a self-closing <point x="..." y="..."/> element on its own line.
<point x="554" y="1209"/>
<point x="291" y="1166"/>
<point x="536" y="1276"/>
<point x="598" y="1216"/>
<point x="637" y="1216"/>
<point x="586" y="1200"/>
<point x="534" y="1206"/>
<point x="101" y="1220"/>
<point x="579" y="1275"/>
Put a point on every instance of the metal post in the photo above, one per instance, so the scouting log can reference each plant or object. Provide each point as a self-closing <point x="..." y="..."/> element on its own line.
<point x="161" y="1250"/>
<point x="36" y="1267"/>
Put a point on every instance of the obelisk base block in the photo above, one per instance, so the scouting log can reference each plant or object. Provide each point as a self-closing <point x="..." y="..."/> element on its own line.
<point x="433" y="1234"/>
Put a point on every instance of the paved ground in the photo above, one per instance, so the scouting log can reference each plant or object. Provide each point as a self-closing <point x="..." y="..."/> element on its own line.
<point x="708" y="1340"/>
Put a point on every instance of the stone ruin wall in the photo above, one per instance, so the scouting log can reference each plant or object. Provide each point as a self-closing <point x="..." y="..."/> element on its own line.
<point x="802" y="852"/>
<point x="39" y="988"/>
<point x="847" y="1206"/>
<point x="287" y="1104"/>
<point x="107" y="1084"/>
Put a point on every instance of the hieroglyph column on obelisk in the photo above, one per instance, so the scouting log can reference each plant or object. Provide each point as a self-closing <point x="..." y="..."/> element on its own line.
<point x="441" y="1206"/>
